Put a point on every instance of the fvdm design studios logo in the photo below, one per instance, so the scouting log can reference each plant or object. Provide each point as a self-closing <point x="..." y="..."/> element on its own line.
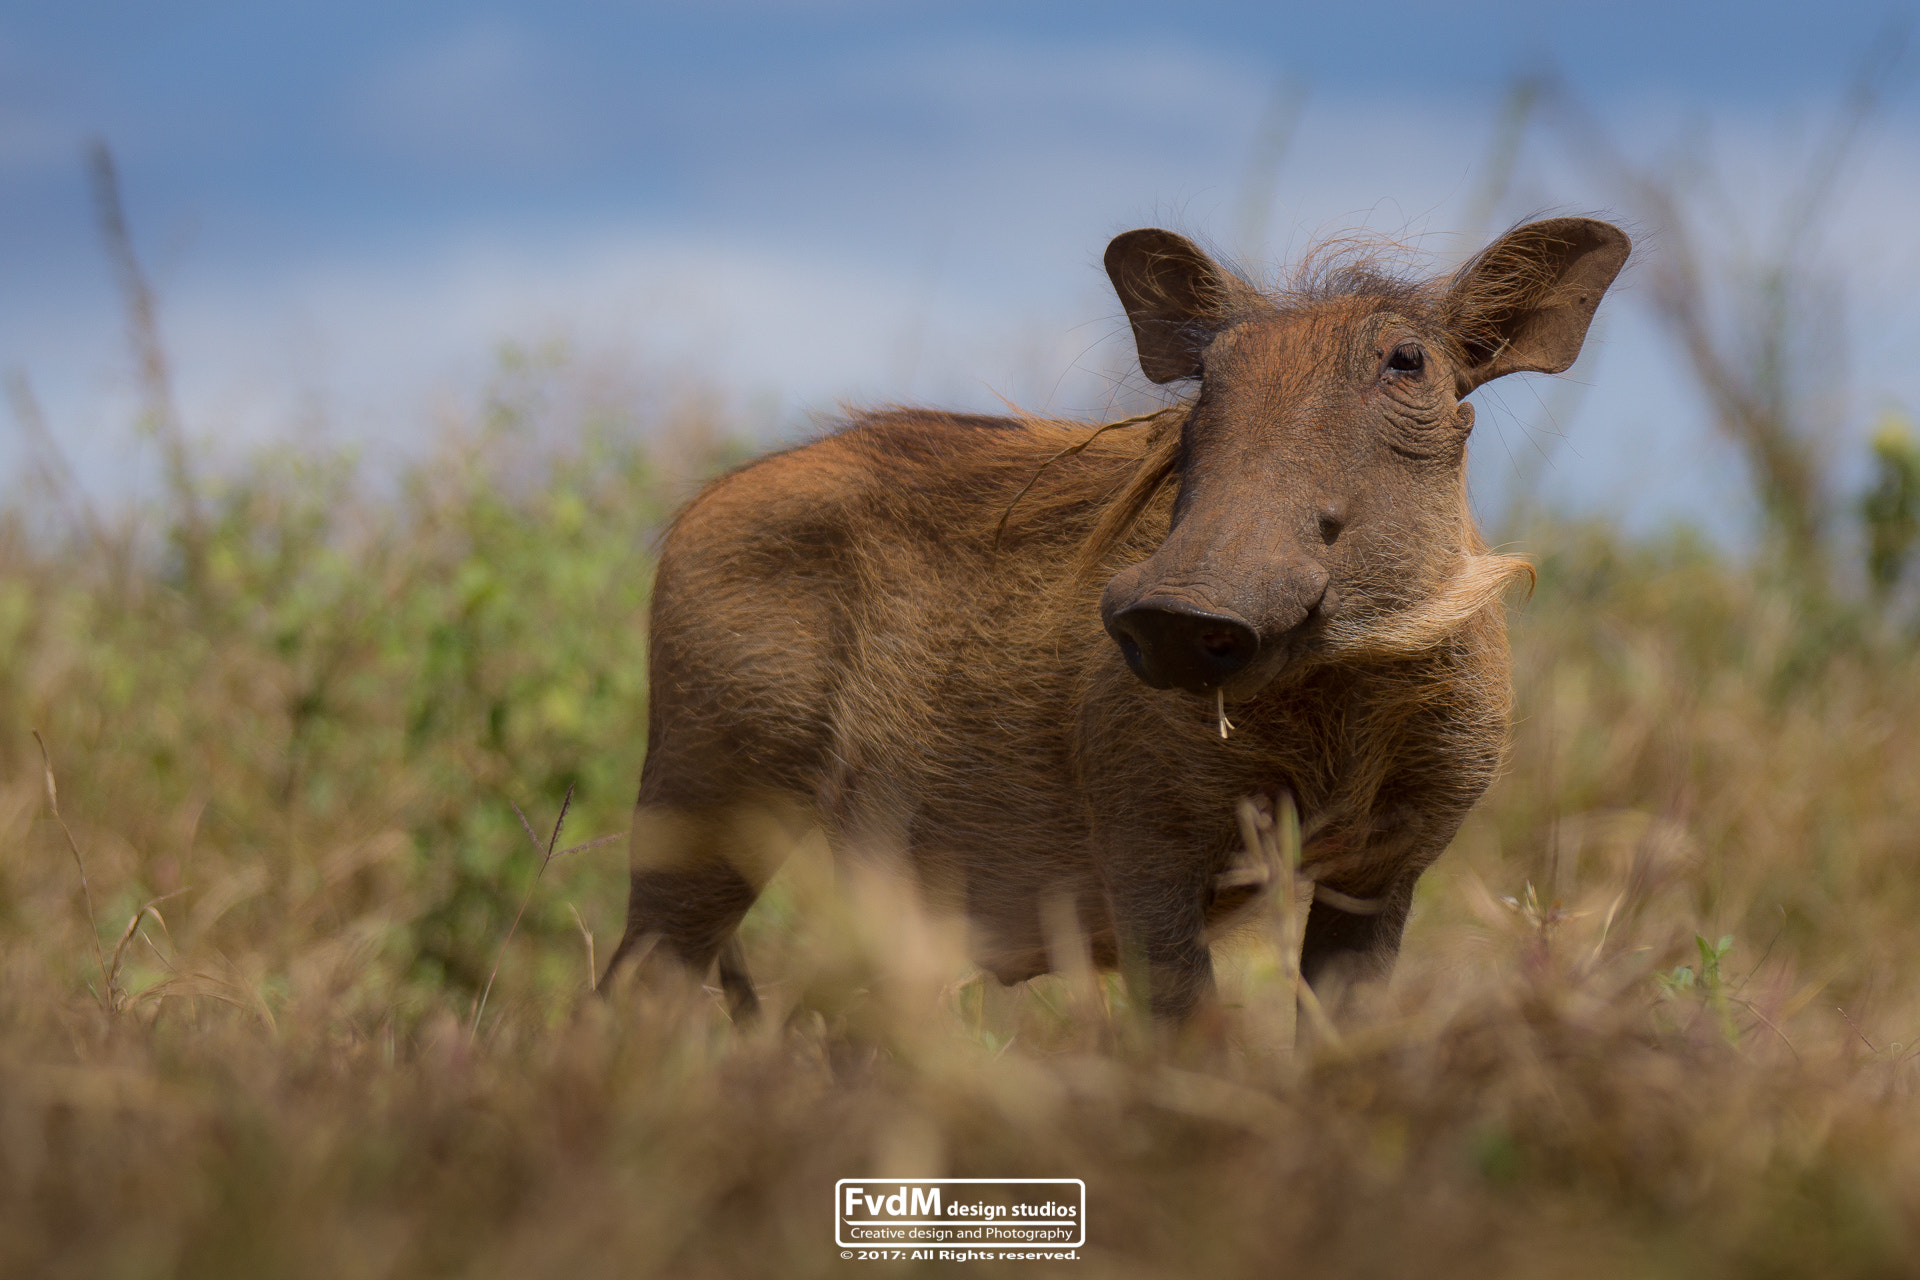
<point x="960" y="1219"/>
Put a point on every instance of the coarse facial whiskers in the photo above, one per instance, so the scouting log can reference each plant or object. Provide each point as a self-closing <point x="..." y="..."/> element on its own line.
<point x="1220" y="710"/>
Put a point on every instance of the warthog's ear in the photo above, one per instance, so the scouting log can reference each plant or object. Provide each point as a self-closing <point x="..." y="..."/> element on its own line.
<point x="1176" y="297"/>
<point x="1524" y="304"/>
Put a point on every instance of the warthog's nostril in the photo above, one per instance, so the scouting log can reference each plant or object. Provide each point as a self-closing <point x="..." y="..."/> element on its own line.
<point x="1218" y="644"/>
<point x="1170" y="644"/>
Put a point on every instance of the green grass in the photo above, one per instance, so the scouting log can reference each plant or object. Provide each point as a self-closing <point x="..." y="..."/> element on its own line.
<point x="309" y="749"/>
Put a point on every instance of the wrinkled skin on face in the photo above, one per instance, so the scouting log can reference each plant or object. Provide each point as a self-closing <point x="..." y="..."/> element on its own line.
<point x="1322" y="467"/>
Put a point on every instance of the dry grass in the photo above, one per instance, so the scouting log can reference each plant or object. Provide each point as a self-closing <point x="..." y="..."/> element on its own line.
<point x="314" y="756"/>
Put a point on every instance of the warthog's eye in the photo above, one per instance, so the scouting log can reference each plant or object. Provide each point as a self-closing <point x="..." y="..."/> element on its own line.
<point x="1407" y="358"/>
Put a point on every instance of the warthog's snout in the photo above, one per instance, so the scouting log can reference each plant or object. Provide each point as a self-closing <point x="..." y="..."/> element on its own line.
<point x="1186" y="637"/>
<point x="1172" y="644"/>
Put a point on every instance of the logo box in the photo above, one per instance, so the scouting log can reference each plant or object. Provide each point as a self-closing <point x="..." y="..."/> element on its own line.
<point x="1003" y="1213"/>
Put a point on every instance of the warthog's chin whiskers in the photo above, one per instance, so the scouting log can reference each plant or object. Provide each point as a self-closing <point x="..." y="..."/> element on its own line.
<point x="1220" y="711"/>
<point x="1476" y="586"/>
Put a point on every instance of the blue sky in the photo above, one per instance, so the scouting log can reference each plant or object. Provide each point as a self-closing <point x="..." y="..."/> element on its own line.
<point x="349" y="207"/>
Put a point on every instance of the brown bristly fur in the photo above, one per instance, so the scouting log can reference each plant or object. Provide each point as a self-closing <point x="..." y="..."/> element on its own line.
<point x="895" y="633"/>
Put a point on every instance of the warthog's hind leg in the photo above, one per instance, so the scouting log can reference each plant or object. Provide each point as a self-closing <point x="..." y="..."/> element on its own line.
<point x="694" y="878"/>
<point x="690" y="913"/>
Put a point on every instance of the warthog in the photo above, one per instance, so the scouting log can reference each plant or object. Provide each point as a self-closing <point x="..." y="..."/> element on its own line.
<point x="1008" y="650"/>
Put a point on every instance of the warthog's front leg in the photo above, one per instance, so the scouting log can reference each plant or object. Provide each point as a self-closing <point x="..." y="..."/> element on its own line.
<point x="1349" y="939"/>
<point x="1159" y="910"/>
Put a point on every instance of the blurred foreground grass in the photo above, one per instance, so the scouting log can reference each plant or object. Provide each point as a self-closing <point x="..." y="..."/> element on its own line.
<point x="304" y="738"/>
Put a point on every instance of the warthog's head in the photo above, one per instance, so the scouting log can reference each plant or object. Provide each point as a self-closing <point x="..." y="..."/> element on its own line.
<point x="1321" y="508"/>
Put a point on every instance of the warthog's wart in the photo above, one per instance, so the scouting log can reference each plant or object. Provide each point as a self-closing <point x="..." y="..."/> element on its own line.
<point x="1006" y="649"/>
